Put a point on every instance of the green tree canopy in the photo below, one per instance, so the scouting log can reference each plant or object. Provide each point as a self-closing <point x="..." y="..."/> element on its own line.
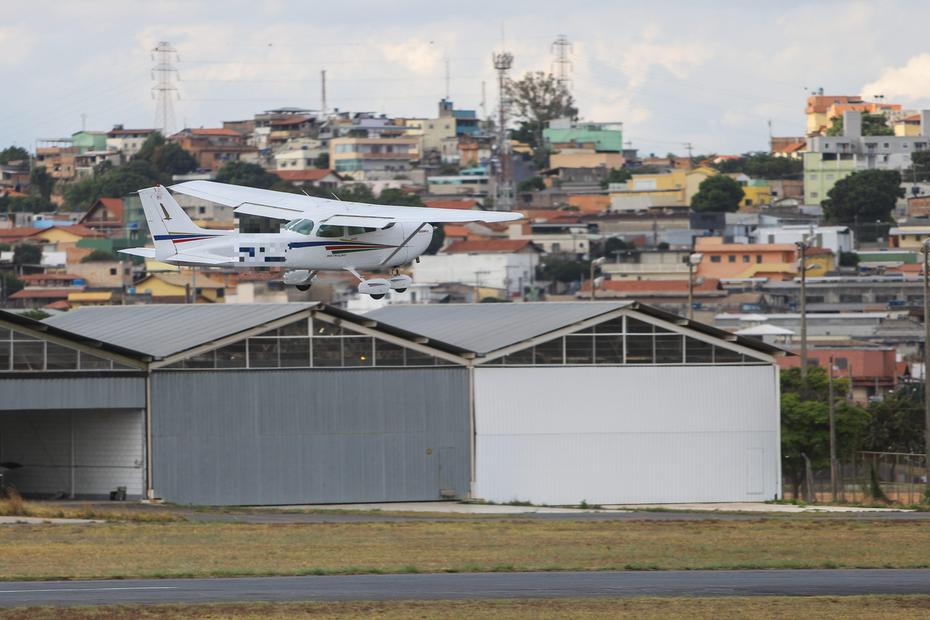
<point x="717" y="193"/>
<point x="250" y="175"/>
<point x="114" y="183"/>
<point x="763" y="166"/>
<point x="9" y="284"/>
<point x="562" y="269"/>
<point x="538" y="98"/>
<point x="13" y="153"/>
<point x="616" y="175"/>
<point x="27" y="254"/>
<point x="872" y="125"/>
<point x="805" y="422"/>
<point x="42" y="182"/>
<point x="25" y="204"/>
<point x="532" y="184"/>
<point x="168" y="158"/>
<point x="897" y="421"/>
<point x="99" y="256"/>
<point x="865" y="196"/>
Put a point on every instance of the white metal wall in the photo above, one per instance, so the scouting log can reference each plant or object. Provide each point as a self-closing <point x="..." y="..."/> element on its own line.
<point x="635" y="434"/>
<point x="87" y="453"/>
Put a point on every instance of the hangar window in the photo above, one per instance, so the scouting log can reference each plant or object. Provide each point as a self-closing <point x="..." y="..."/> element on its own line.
<point x="309" y="344"/>
<point x="624" y="340"/>
<point x="25" y="353"/>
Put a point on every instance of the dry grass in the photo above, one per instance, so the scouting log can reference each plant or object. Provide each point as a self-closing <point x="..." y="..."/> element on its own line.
<point x="15" y="506"/>
<point x="225" y="549"/>
<point x="752" y="608"/>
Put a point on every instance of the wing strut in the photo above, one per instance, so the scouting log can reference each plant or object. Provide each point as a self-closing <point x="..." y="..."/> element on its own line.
<point x="406" y="241"/>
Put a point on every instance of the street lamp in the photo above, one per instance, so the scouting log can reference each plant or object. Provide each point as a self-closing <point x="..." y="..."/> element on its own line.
<point x="694" y="259"/>
<point x="595" y="263"/>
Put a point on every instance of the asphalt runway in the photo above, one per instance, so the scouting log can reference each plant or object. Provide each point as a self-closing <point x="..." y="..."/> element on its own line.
<point x="446" y="586"/>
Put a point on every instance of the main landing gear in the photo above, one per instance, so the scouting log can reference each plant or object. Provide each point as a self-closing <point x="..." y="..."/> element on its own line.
<point x="377" y="288"/>
<point x="301" y="278"/>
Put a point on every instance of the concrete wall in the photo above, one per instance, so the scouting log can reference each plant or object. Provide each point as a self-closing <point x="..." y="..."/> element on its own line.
<point x="639" y="434"/>
<point x="310" y="436"/>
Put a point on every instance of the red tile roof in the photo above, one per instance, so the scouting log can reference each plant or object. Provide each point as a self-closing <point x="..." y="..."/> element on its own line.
<point x="215" y="131"/>
<point x="794" y="147"/>
<point x="42" y="293"/>
<point x="489" y="246"/>
<point x="290" y="120"/>
<point x="113" y="205"/>
<point x="313" y="174"/>
<point x="17" y="233"/>
<point x="451" y="204"/>
<point x="76" y="229"/>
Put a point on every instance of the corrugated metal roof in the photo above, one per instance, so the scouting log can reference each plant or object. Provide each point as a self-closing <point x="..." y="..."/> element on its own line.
<point x="165" y="329"/>
<point x="483" y="328"/>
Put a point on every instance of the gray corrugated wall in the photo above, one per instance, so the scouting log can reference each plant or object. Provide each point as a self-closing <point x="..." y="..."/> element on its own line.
<point x="310" y="436"/>
<point x="25" y="393"/>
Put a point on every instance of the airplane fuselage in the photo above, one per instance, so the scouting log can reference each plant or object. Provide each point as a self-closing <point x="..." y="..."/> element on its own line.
<point x="352" y="248"/>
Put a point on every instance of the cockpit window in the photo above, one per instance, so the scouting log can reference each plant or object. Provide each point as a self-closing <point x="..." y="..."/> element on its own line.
<point x="351" y="231"/>
<point x="329" y="231"/>
<point x="303" y="227"/>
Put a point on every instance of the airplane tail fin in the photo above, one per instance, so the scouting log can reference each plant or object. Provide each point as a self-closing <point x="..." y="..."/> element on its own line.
<point x="168" y="223"/>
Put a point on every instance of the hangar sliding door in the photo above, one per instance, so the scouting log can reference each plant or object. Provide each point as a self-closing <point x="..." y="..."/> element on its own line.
<point x="626" y="434"/>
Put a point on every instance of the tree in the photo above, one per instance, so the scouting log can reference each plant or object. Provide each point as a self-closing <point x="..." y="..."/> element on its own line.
<point x="539" y="98"/>
<point x="762" y="166"/>
<point x="321" y="160"/>
<point x="168" y="158"/>
<point x="25" y="204"/>
<point x="27" y="254"/>
<point x="717" y="193"/>
<point x="805" y="422"/>
<point x="872" y="125"/>
<point x="41" y="181"/>
<point x="866" y="196"/>
<point x="563" y="269"/>
<point x="9" y="284"/>
<point x="616" y="175"/>
<point x="920" y="166"/>
<point x="532" y="184"/>
<point x="250" y="175"/>
<point x="99" y="256"/>
<point x="897" y="421"/>
<point x="115" y="182"/>
<point x="13" y="153"/>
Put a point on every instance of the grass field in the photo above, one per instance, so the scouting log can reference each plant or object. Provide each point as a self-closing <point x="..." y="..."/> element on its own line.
<point x="849" y="608"/>
<point x="223" y="549"/>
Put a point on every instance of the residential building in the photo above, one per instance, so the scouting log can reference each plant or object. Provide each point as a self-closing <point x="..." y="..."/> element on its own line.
<point x="178" y="287"/>
<point x="871" y="369"/>
<point x="831" y="158"/>
<point x="821" y="109"/>
<point x="584" y="145"/>
<point x="909" y="237"/>
<point x="837" y="239"/>
<point x="214" y="147"/>
<point x="470" y="182"/>
<point x="650" y="265"/>
<point x="847" y="293"/>
<point x="504" y="264"/>
<point x="300" y="154"/>
<point x="323" y="178"/>
<point x="372" y="158"/>
<point x="672" y="188"/>
<point x="126" y="141"/>
<point x="85" y="141"/>
<point x="723" y="260"/>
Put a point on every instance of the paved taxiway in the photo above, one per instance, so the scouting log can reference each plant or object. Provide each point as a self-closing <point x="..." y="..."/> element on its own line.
<point x="441" y="586"/>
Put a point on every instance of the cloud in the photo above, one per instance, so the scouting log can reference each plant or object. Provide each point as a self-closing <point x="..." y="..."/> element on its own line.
<point x="909" y="83"/>
<point x="16" y="43"/>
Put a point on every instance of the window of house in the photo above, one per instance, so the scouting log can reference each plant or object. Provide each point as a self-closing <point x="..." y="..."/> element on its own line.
<point x="715" y="259"/>
<point x="745" y="258"/>
<point x="758" y="258"/>
<point x="731" y="258"/>
<point x="113" y="271"/>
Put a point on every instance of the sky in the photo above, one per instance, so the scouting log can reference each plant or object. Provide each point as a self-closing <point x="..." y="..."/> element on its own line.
<point x="712" y="74"/>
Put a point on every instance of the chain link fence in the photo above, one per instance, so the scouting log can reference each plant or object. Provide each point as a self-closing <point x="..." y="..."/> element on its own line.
<point x="867" y="477"/>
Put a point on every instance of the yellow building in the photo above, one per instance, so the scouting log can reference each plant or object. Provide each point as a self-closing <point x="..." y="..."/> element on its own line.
<point x="63" y="237"/>
<point x="907" y="126"/>
<point x="175" y="287"/>
<point x="908" y="237"/>
<point x="90" y="298"/>
<point x="819" y="261"/>
<point x="585" y="158"/>
<point x="664" y="189"/>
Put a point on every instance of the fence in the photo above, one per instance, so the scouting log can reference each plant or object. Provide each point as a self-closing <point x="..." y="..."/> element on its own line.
<point x="897" y="477"/>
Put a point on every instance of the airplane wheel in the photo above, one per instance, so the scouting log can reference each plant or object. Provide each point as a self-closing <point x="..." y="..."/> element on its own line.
<point x="401" y="290"/>
<point x="377" y="296"/>
<point x="303" y="287"/>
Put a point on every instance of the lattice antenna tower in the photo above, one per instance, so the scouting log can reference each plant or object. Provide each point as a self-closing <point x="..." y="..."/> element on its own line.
<point x="503" y="61"/>
<point x="562" y="66"/>
<point x="165" y="91"/>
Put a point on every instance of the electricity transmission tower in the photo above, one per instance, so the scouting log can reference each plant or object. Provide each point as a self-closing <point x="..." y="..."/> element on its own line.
<point x="562" y="66"/>
<point x="165" y="74"/>
<point x="504" y="194"/>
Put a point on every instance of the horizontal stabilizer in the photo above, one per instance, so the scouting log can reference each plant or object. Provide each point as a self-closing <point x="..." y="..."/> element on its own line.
<point x="143" y="252"/>
<point x="190" y="258"/>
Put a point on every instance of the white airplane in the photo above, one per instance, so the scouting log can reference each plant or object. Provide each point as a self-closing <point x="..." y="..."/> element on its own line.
<point x="320" y="234"/>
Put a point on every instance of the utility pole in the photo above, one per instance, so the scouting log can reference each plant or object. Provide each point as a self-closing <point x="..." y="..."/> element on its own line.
<point x="690" y="148"/>
<point x="164" y="73"/>
<point x="562" y="66"/>
<point x="926" y="252"/>
<point x="833" y="471"/>
<point x="802" y="256"/>
<point x="323" y="93"/>
<point x="694" y="259"/>
<point x="504" y="195"/>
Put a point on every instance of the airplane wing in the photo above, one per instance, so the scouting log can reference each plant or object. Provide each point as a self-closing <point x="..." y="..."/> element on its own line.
<point x="286" y="206"/>
<point x="144" y="252"/>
